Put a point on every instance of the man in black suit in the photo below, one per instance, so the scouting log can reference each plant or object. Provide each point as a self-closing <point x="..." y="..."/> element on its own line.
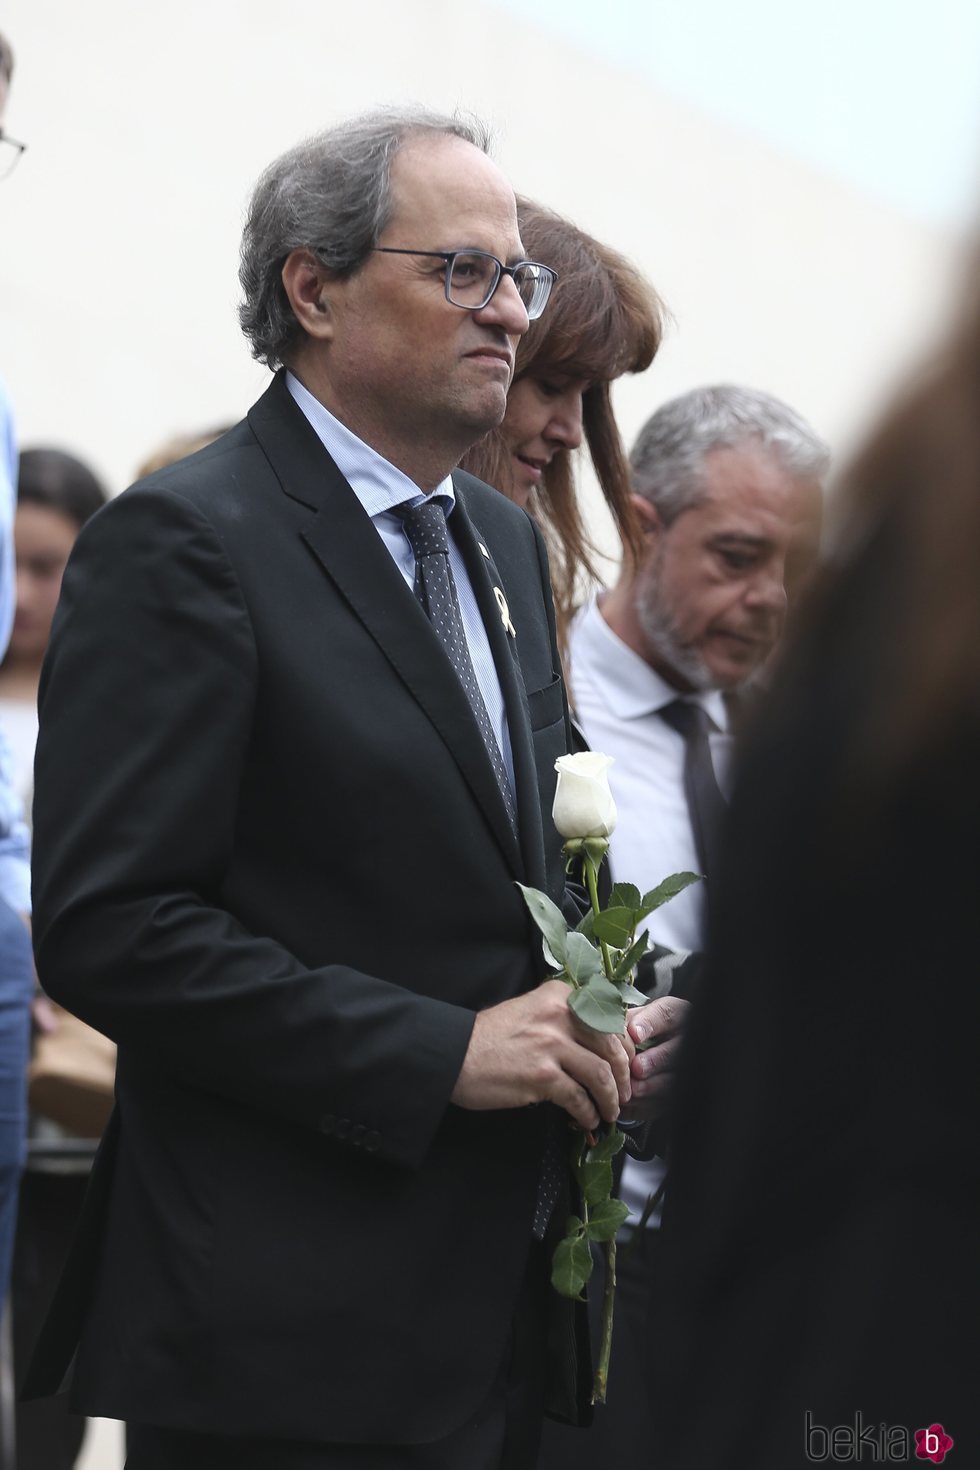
<point x="278" y="836"/>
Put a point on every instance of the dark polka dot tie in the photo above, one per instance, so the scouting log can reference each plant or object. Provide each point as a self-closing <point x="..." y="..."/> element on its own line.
<point x="425" y="526"/>
<point x="705" y="803"/>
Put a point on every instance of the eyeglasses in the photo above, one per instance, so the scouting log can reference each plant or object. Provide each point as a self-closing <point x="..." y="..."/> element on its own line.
<point x="10" y="151"/>
<point x="472" y="276"/>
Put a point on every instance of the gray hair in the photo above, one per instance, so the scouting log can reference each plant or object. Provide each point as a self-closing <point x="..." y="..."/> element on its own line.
<point x="666" y="462"/>
<point x="330" y="194"/>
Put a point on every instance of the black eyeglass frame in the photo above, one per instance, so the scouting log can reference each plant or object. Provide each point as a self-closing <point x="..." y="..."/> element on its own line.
<point x="449" y="256"/>
<point x="20" y="149"/>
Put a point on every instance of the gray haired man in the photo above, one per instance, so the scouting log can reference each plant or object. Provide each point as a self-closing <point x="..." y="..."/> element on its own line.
<point x="727" y="489"/>
<point x="293" y="762"/>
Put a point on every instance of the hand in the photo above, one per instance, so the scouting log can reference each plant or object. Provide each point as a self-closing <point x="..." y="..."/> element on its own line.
<point x="532" y="1049"/>
<point x="44" y="1015"/>
<point x="656" y="1028"/>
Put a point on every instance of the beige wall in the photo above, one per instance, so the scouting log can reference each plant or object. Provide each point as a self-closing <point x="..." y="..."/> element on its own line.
<point x="147" y="126"/>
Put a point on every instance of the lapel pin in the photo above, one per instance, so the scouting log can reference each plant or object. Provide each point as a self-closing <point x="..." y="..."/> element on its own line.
<point x="504" y="612"/>
<point x="484" y="550"/>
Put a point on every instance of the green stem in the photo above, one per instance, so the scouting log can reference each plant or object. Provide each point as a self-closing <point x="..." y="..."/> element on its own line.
<point x="609" y="1294"/>
<point x="591" y="884"/>
<point x="605" y="1336"/>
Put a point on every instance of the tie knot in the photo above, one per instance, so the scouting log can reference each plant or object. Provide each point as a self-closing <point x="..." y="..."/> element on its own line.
<point x="425" y="527"/>
<point x="686" y="717"/>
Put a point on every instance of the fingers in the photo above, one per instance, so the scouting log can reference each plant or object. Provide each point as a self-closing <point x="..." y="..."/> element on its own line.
<point x="661" y="1018"/>
<point x="653" y="1070"/>
<point x="616" y="1051"/>
<point x="576" y="1102"/>
<point x="594" y="1074"/>
<point x="532" y="1049"/>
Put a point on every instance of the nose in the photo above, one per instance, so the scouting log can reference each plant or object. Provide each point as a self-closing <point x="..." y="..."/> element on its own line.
<point x="564" y="427"/>
<point x="505" y="309"/>
<point x="767" y="590"/>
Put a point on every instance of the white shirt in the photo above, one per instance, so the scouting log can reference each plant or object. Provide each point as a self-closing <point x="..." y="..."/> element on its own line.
<point x="380" y="487"/>
<point x="616" y="695"/>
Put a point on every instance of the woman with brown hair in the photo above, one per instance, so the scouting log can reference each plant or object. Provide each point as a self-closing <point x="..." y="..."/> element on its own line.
<point x="603" y="320"/>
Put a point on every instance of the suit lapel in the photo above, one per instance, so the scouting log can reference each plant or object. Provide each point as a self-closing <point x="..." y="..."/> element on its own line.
<point x="350" y="551"/>
<point x="485" y="578"/>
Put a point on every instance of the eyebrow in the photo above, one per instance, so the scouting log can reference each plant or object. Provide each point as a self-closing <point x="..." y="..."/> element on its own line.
<point x="739" y="538"/>
<point x="513" y="258"/>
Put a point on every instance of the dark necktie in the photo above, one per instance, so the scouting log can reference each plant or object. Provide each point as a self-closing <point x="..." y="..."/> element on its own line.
<point x="705" y="803"/>
<point x="425" y="526"/>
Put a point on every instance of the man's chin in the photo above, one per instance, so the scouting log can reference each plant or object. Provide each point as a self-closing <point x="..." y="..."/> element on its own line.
<point x="484" y="411"/>
<point x="730" y="677"/>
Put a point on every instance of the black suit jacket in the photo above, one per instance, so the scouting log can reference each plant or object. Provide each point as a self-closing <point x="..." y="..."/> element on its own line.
<point x="272" y="862"/>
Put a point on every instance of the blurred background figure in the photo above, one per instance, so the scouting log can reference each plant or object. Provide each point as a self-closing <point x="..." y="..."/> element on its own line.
<point x="178" y="447"/>
<point x="603" y="320"/>
<point x="16" y="965"/>
<point x="820" y="1261"/>
<point x="56" y="494"/>
<point x="72" y="1066"/>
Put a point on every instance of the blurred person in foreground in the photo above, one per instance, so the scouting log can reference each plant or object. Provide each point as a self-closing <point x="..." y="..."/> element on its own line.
<point x="727" y="491"/>
<point x="16" y="968"/>
<point x="56" y="495"/>
<point x="604" y="319"/>
<point x="820" y="1254"/>
<point x="284" y="880"/>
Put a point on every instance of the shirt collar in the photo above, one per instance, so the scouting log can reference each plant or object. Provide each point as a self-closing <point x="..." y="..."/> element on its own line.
<point x="379" y="485"/>
<point x="630" y="686"/>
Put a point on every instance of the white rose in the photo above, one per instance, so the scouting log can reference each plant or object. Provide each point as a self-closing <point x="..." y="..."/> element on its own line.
<point x="583" y="802"/>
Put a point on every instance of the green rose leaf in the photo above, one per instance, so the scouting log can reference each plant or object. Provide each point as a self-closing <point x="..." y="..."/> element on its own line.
<point x="615" y="926"/>
<point x="582" y="960"/>
<point x="597" y="1005"/>
<point x="571" y="1266"/>
<point x="631" y="957"/>
<point x="665" y="891"/>
<point x="608" y="1146"/>
<point x="595" y="1177"/>
<point x="585" y="926"/>
<point x="629" y="994"/>
<point x="551" y="921"/>
<point x="606" y="1218"/>
<point x="624" y="895"/>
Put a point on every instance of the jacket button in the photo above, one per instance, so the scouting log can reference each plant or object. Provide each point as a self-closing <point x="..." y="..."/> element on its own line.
<point x="342" y="1128"/>
<point x="373" y="1141"/>
<point x="327" y="1123"/>
<point x="357" y="1134"/>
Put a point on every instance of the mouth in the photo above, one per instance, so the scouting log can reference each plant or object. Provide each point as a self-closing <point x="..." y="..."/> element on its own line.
<point x="752" y="642"/>
<point x="533" y="469"/>
<point x="495" y="357"/>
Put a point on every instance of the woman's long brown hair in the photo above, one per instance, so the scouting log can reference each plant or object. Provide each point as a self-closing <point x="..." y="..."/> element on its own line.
<point x="604" y="319"/>
<point x="911" y="504"/>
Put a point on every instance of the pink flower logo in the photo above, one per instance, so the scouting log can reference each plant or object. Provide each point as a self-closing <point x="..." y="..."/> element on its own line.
<point x="932" y="1444"/>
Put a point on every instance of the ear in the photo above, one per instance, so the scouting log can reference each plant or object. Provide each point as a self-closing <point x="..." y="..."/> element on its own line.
<point x="648" y="517"/>
<point x="307" y="284"/>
